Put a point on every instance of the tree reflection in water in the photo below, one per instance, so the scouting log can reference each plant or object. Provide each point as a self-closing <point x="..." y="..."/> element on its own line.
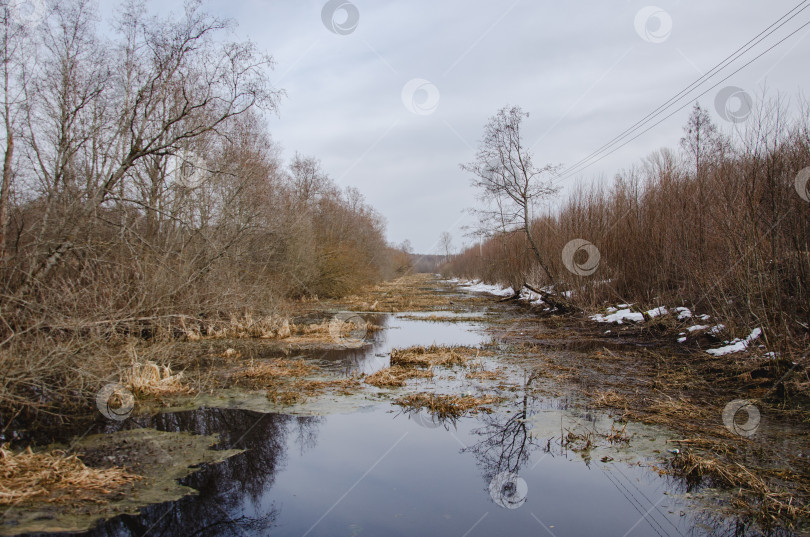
<point x="230" y="492"/>
<point x="506" y="441"/>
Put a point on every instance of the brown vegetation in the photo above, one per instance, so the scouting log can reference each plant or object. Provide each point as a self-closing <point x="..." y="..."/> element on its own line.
<point x="446" y="406"/>
<point x="143" y="199"/>
<point x="286" y="382"/>
<point x="55" y="477"/>
<point x="406" y="293"/>
<point x="771" y="503"/>
<point x="149" y="378"/>
<point x="272" y="372"/>
<point x="720" y="229"/>
<point x="686" y="393"/>
<point x="395" y="376"/>
<point x="434" y="355"/>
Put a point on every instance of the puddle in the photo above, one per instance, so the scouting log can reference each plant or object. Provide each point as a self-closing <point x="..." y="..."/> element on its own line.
<point x="379" y="472"/>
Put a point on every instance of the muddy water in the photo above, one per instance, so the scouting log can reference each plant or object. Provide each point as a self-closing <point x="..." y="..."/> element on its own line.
<point x="379" y="471"/>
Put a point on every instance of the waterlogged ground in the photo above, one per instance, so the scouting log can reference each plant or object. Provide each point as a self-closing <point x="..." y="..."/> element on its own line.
<point x="539" y="461"/>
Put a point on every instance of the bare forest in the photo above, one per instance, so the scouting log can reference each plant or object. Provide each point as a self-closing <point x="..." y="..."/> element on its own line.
<point x="142" y="196"/>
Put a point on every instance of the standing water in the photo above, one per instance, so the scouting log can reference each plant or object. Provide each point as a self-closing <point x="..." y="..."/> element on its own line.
<point x="533" y="466"/>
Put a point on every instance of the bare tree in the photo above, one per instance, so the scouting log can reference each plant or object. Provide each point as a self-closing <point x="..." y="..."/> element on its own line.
<point x="309" y="180"/>
<point x="446" y="244"/>
<point x="14" y="56"/>
<point x="701" y="139"/>
<point x="703" y="144"/>
<point x="179" y="85"/>
<point x="511" y="184"/>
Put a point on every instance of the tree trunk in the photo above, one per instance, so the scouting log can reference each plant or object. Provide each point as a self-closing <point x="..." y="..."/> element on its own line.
<point x="5" y="192"/>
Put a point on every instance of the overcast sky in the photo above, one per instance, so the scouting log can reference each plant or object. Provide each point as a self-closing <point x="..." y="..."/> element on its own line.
<point x="585" y="71"/>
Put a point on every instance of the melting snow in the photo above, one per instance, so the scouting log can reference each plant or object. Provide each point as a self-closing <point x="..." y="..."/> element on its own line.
<point x="655" y="312"/>
<point x="479" y="287"/>
<point x="683" y="313"/>
<point x="619" y="316"/>
<point x="697" y="327"/>
<point x="737" y="345"/>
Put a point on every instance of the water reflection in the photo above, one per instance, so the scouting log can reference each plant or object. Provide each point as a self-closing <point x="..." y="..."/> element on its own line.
<point x="230" y="493"/>
<point x="398" y="333"/>
<point x="506" y="441"/>
<point x="383" y="472"/>
<point x="377" y="472"/>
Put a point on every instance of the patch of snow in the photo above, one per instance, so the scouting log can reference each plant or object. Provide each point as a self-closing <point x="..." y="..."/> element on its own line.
<point x="655" y="312"/>
<point x="717" y="329"/>
<point x="704" y="317"/>
<point x="619" y="316"/>
<point x="697" y="327"/>
<point x="623" y="306"/>
<point x="479" y="287"/>
<point x="683" y="313"/>
<point x="681" y="339"/>
<point x="737" y="345"/>
<point x="770" y="355"/>
<point x="611" y="309"/>
<point x="531" y="297"/>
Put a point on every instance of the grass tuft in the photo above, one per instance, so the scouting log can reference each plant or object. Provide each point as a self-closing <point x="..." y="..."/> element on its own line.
<point x="55" y="477"/>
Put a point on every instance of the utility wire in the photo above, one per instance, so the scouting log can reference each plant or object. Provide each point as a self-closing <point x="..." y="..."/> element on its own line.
<point x="568" y="174"/>
<point x="764" y="34"/>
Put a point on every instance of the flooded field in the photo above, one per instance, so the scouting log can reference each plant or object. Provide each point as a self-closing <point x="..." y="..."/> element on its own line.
<point x="377" y="471"/>
<point x="528" y="457"/>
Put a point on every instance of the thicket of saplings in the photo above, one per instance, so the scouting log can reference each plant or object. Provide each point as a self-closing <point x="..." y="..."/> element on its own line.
<point x="143" y="197"/>
<point x="719" y="226"/>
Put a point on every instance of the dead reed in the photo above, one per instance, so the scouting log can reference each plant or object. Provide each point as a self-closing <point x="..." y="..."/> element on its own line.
<point x="396" y="376"/>
<point x="55" y="477"/>
<point x="447" y="406"/>
<point x="434" y="355"/>
<point x="149" y="378"/>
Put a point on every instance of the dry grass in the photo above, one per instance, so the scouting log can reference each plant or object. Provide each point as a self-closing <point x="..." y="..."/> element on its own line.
<point x="271" y="327"/>
<point x="395" y="376"/>
<point x="445" y="318"/>
<point x="483" y="375"/>
<point x="246" y="326"/>
<point x="435" y="355"/>
<point x="446" y="406"/>
<point x="771" y="503"/>
<point x="608" y="399"/>
<point x="55" y="477"/>
<point x="148" y="378"/>
<point x="302" y="389"/>
<point x="284" y="381"/>
<point x="272" y="372"/>
<point x="285" y="397"/>
<point x="674" y="412"/>
<point x="679" y="393"/>
<point x="408" y="293"/>
<point x="618" y="436"/>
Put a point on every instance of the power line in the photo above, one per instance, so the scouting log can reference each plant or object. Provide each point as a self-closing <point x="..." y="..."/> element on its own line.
<point x="567" y="174"/>
<point x="764" y="34"/>
<point x="700" y="81"/>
